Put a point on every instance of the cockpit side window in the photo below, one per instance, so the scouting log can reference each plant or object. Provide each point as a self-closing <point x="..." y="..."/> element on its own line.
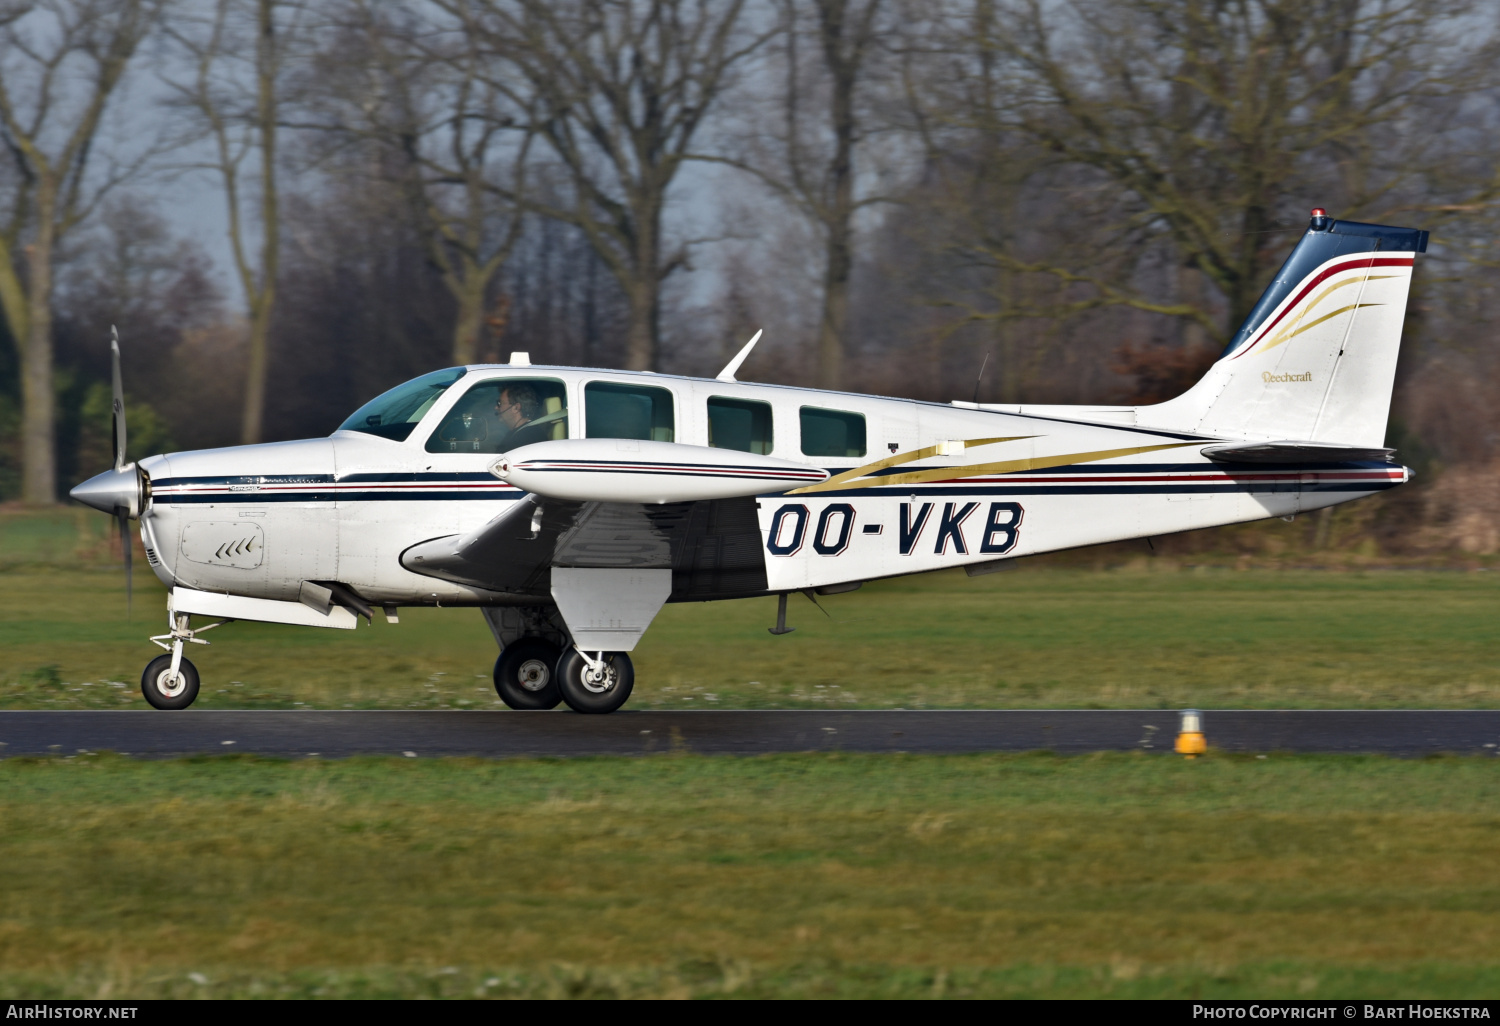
<point x="395" y="413"/>
<point x="503" y="414"/>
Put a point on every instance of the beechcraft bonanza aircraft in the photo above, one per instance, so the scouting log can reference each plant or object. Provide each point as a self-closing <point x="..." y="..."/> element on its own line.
<point x="570" y="504"/>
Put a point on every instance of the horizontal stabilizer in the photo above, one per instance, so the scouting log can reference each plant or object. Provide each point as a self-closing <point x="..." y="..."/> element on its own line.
<point x="1293" y="452"/>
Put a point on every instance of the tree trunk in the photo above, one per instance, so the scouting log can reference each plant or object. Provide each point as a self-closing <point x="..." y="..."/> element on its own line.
<point x="645" y="316"/>
<point x="13" y="304"/>
<point x="1190" y="292"/>
<point x="835" y="323"/>
<point x="38" y="401"/>
<point x="839" y="211"/>
<point x="644" y="292"/>
<point x="253" y="417"/>
<point x="262" y="304"/>
<point x="468" y="291"/>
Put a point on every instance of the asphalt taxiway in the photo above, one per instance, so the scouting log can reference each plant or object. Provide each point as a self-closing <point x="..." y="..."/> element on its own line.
<point x="339" y="733"/>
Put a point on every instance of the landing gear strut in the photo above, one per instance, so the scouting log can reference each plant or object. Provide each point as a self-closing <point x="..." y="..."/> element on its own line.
<point x="170" y="681"/>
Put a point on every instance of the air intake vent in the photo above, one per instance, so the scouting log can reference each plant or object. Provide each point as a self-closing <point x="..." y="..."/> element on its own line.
<point x="224" y="543"/>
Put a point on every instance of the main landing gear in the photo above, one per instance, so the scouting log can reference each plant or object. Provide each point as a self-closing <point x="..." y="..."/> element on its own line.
<point x="526" y="674"/>
<point x="533" y="673"/>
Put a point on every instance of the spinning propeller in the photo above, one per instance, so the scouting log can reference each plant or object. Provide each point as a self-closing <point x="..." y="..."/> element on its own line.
<point x="120" y="492"/>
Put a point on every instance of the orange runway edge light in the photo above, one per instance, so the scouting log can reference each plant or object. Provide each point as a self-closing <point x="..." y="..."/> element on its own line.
<point x="1190" y="740"/>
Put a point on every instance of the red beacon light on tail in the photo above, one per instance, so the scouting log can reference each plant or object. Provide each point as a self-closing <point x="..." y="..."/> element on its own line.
<point x="1319" y="219"/>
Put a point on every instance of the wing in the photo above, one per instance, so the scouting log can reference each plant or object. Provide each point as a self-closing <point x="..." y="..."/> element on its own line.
<point x="712" y="547"/>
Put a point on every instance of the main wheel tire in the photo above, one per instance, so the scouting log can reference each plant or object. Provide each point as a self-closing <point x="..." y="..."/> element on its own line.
<point x="164" y="693"/>
<point x="526" y="675"/>
<point x="588" y="692"/>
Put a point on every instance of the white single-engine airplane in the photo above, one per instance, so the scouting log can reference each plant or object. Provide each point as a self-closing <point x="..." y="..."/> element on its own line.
<point x="569" y="504"/>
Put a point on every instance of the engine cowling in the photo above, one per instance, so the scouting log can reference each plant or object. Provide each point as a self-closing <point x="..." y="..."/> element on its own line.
<point x="626" y="470"/>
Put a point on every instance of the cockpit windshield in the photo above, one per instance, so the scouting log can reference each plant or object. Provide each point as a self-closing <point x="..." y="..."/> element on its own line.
<point x="393" y="414"/>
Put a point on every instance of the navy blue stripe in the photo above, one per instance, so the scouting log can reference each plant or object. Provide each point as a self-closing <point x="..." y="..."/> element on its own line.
<point x="373" y="496"/>
<point x="1103" y="489"/>
<point x="400" y="478"/>
<point x="247" y="479"/>
<point x="259" y="498"/>
<point x="1251" y="470"/>
<point x="283" y="479"/>
<point x="253" y="498"/>
<point x="1161" y="468"/>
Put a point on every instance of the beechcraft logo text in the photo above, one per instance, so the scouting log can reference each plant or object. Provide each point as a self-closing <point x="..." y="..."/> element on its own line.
<point x="1270" y="378"/>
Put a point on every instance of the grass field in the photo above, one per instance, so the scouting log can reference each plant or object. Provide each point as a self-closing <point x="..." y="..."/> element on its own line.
<point x="809" y="875"/>
<point x="1123" y="875"/>
<point x="1028" y="638"/>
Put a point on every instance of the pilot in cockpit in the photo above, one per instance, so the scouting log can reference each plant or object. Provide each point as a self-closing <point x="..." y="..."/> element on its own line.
<point x="517" y="407"/>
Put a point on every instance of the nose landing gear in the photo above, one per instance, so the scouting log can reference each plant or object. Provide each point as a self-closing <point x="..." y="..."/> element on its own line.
<point x="170" y="681"/>
<point x="168" y="687"/>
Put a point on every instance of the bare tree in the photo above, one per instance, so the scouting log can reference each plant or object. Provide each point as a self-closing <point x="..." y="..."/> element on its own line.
<point x="61" y="61"/>
<point x="621" y="88"/>
<point x="239" y="55"/>
<point x="1217" y="121"/>
<point x="817" y="148"/>
<point x="423" y="94"/>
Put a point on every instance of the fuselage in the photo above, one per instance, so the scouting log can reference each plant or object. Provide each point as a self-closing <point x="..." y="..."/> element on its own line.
<point x="259" y="520"/>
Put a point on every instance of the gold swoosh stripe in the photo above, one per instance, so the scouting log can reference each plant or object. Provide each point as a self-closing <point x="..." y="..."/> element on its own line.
<point x="903" y="457"/>
<point x="1296" y="327"/>
<point x="985" y="469"/>
<point x="1313" y="324"/>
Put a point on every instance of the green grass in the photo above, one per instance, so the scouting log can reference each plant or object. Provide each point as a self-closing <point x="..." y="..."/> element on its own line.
<point x="815" y="875"/>
<point x="1029" y="638"/>
<point x="811" y="875"/>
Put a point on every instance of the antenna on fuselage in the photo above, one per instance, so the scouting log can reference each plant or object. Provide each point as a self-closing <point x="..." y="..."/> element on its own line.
<point x="979" y="379"/>
<point x="727" y="374"/>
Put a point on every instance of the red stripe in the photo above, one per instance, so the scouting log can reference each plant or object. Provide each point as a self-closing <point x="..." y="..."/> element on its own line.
<point x="1201" y="479"/>
<point x="1365" y="262"/>
<point x="630" y="468"/>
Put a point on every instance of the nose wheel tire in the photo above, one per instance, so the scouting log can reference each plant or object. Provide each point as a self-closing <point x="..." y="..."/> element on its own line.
<point x="163" y="691"/>
<point x="595" y="689"/>
<point x="526" y="675"/>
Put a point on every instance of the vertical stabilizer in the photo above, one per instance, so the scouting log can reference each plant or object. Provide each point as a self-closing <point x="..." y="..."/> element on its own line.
<point x="1316" y="358"/>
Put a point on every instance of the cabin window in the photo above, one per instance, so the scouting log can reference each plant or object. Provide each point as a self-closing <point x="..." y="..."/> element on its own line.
<point x="832" y="433"/>
<point x="740" y="424"/>
<point x="395" y="413"/>
<point x="627" y="411"/>
<point x="504" y="414"/>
